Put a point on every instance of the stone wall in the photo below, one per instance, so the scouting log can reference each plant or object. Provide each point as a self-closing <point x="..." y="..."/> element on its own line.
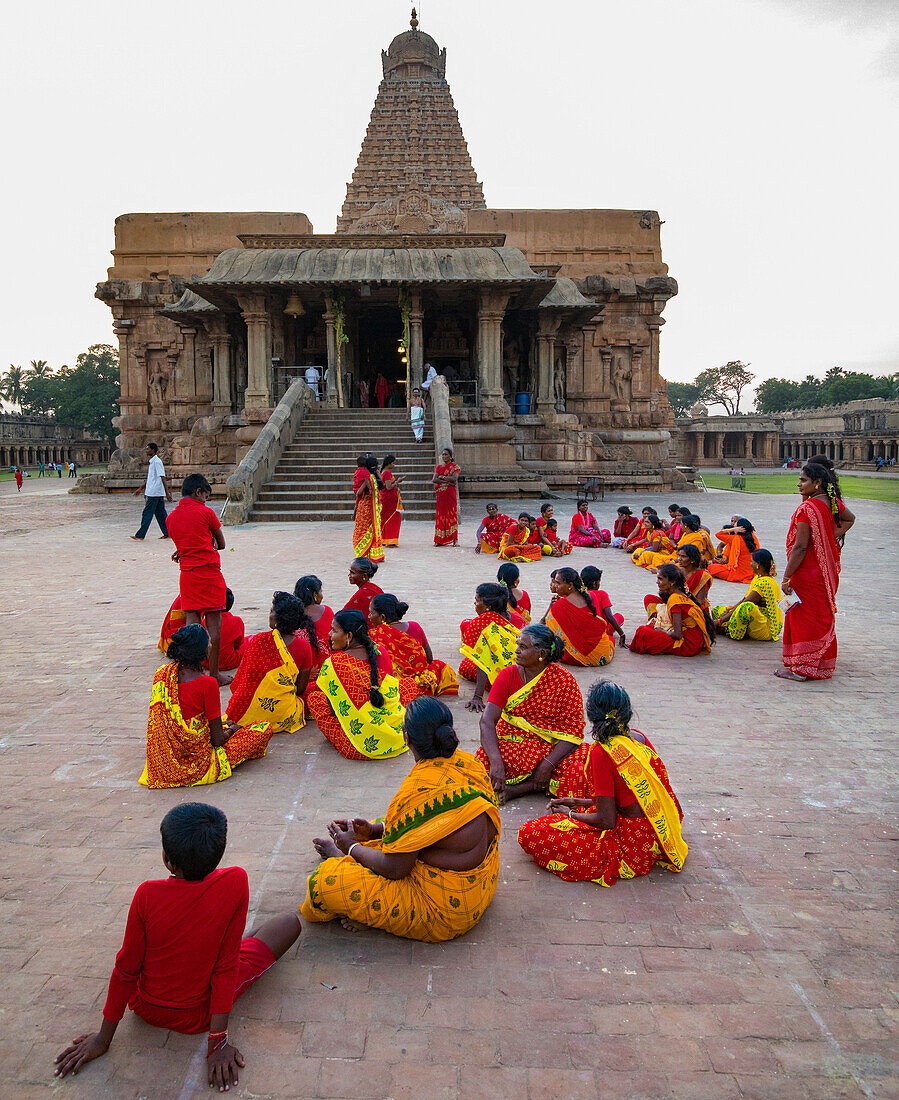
<point x="30" y="440"/>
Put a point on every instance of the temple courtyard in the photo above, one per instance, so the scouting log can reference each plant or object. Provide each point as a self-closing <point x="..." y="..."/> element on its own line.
<point x="764" y="969"/>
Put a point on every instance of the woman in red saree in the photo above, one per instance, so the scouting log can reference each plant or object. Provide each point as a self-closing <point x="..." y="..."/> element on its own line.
<point x="734" y="562"/>
<point x="624" y="527"/>
<point x="308" y="590"/>
<point x="360" y="574"/>
<point x="631" y="819"/>
<point x="516" y="545"/>
<point x="367" y="486"/>
<point x="534" y="721"/>
<point x="584" y="528"/>
<point x="446" y="521"/>
<point x="813" y="574"/>
<point x="391" y="503"/>
<point x="488" y="640"/>
<point x="677" y="624"/>
<point x="698" y="579"/>
<point x="508" y="575"/>
<point x="409" y="650"/>
<point x="491" y="530"/>
<point x="573" y="615"/>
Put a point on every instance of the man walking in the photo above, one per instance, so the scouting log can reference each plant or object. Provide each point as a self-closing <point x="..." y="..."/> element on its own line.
<point x="156" y="493"/>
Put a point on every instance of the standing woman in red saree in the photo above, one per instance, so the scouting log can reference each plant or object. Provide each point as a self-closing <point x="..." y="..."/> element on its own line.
<point x="391" y="503"/>
<point x="367" y="486"/>
<point x="446" y="523"/>
<point x="813" y="573"/>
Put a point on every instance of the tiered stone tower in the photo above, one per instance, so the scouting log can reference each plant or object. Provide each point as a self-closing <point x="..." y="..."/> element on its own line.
<point x="414" y="173"/>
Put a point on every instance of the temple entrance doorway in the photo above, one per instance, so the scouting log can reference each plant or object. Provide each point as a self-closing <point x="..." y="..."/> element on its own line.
<point x="380" y="336"/>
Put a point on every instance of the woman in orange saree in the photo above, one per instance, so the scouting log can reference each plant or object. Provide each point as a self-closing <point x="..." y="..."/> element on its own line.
<point x="813" y="574"/>
<point x="534" y="721"/>
<point x="631" y="819"/>
<point x="391" y="503"/>
<point x="356" y="698"/>
<point x="659" y="547"/>
<point x="697" y="578"/>
<point x="446" y="520"/>
<point x="735" y="562"/>
<point x="488" y="640"/>
<point x="573" y="615"/>
<point x="694" y="535"/>
<point x="187" y="744"/>
<point x="409" y="650"/>
<point x="367" y="487"/>
<point x="515" y="544"/>
<point x="490" y="530"/>
<point x="677" y="624"/>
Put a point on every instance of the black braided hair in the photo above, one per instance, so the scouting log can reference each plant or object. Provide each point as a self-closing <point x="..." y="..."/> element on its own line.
<point x="428" y="726"/>
<point x="671" y="573"/>
<point x="747" y="536"/>
<point x="547" y="641"/>
<point x="189" y="646"/>
<point x="818" y="472"/>
<point x="389" y="607"/>
<point x="354" y="623"/>
<point x="692" y="522"/>
<point x="306" y="588"/>
<point x="608" y="710"/>
<point x="508" y="575"/>
<point x="571" y="576"/>
<point x="823" y="460"/>
<point x="495" y="597"/>
<point x="386" y="460"/>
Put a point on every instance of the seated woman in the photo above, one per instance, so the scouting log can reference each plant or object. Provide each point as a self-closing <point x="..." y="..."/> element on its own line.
<point x="356" y="698"/>
<point x="491" y="530"/>
<point x="308" y="590"/>
<point x="677" y="624"/>
<point x="559" y="548"/>
<point x="408" y="647"/>
<point x="534" y="720"/>
<point x="429" y="870"/>
<point x="734" y="561"/>
<point x="574" y="615"/>
<point x="758" y="615"/>
<point x="508" y="576"/>
<point x="698" y="579"/>
<point x="274" y="670"/>
<point x="695" y="535"/>
<point x="631" y="820"/>
<point x="488" y="640"/>
<point x="625" y="525"/>
<point x="516" y="545"/>
<point x="187" y="745"/>
<point x="659" y="547"/>
<point x="592" y="578"/>
<point x="584" y="528"/>
<point x="674" y="527"/>
<point x="360" y="574"/>
<point x="639" y="540"/>
<point x="232" y="632"/>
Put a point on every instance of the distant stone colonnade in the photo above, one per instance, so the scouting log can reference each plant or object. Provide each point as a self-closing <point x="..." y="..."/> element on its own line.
<point x="31" y="440"/>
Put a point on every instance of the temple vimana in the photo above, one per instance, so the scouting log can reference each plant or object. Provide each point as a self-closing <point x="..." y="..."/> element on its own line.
<point x="545" y="324"/>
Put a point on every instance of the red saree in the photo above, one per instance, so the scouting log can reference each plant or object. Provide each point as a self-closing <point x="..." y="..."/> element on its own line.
<point x="446" y="521"/>
<point x="471" y="630"/>
<point x="515" y="545"/>
<point x="367" y="532"/>
<point x="738" y="567"/>
<point x="492" y="532"/>
<point x="355" y="678"/>
<point x="411" y="664"/>
<point x="174" y="620"/>
<point x="391" y="510"/>
<point x="323" y="630"/>
<point x="587" y="639"/>
<point x="588" y="522"/>
<point x="810" y="637"/>
<point x="548" y="709"/>
<point x="361" y="600"/>
<point x="695" y="640"/>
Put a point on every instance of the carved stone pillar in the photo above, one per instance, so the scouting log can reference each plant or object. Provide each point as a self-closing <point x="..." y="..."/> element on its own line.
<point x="491" y="311"/>
<point x="331" y="343"/>
<point x="547" y="327"/>
<point x="221" y="371"/>
<point x="259" y="353"/>
<point x="719" y="448"/>
<point x="605" y="354"/>
<point x="417" y="342"/>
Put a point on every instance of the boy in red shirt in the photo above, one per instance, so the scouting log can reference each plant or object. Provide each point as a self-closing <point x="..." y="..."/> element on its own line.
<point x="184" y="962"/>
<point x="197" y="534"/>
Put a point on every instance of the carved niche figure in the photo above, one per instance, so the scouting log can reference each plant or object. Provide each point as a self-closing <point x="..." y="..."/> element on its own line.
<point x="621" y="377"/>
<point x="158" y="384"/>
<point x="559" y="384"/>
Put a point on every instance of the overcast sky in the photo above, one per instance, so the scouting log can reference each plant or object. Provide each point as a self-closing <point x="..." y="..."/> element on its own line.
<point x="763" y="131"/>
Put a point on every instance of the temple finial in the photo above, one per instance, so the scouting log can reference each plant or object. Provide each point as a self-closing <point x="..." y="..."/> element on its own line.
<point x="413" y="22"/>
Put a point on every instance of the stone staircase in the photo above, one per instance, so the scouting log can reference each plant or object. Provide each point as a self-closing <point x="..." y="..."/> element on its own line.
<point x="314" y="478"/>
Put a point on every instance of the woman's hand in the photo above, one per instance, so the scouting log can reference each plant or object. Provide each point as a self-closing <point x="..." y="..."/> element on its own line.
<point x="176" y="557"/>
<point x="497" y="772"/>
<point x="342" y="835"/>
<point x="786" y="587"/>
<point x="475" y="704"/>
<point x="622" y="640"/>
<point x="477" y="549"/>
<point x="362" y="829"/>
<point x="542" y="774"/>
<point x="82" y="1050"/>
<point x="222" y="1067"/>
<point x="559" y="804"/>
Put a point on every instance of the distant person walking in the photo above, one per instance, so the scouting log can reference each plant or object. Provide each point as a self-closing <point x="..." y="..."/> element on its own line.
<point x="18" y="477"/>
<point x="156" y="493"/>
<point x="59" y="469"/>
<point x="40" y="470"/>
<point x="71" y="469"/>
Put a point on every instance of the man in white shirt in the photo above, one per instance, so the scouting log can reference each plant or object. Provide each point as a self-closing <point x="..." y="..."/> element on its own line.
<point x="156" y="493"/>
<point x="429" y="378"/>
<point x="313" y="377"/>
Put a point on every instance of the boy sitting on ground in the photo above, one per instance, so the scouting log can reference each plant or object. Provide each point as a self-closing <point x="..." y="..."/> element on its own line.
<point x="183" y="961"/>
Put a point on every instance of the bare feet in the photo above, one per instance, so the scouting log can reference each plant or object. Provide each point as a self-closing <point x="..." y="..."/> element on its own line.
<point x="352" y="925"/>
<point x="327" y="849"/>
<point x="786" y="674"/>
<point x="224" y="678"/>
<point x="516" y="790"/>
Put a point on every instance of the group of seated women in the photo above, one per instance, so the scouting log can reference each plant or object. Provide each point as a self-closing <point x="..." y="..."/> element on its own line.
<point x="528" y="538"/>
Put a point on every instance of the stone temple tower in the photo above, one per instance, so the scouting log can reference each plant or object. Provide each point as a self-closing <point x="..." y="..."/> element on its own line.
<point x="414" y="173"/>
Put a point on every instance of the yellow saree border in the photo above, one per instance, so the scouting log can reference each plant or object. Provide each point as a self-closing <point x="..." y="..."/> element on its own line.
<point x="521" y="696"/>
<point x="376" y="732"/>
<point x="275" y="690"/>
<point x="494" y="650"/>
<point x="632" y="761"/>
<point x="600" y="655"/>
<point x="368" y="539"/>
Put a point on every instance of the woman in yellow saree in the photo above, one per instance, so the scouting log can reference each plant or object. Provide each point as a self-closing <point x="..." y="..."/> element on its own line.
<point x="409" y="650"/>
<point x="274" y="669"/>
<point x="515" y="545"/>
<point x="356" y="698"/>
<point x="694" y="535"/>
<point x="488" y="640"/>
<point x="367" y="487"/>
<point x="429" y="870"/>
<point x="758" y="615"/>
<point x="187" y="743"/>
<point x="631" y="820"/>
<point x="659" y="547"/>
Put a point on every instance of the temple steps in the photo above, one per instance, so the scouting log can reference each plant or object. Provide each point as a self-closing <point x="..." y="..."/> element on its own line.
<point x="313" y="480"/>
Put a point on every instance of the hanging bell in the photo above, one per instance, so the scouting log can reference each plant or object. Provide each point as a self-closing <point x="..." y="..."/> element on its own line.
<point x="294" y="307"/>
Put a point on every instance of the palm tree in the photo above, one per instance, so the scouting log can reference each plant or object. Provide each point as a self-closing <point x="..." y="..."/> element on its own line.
<point x="11" y="385"/>
<point x="40" y="368"/>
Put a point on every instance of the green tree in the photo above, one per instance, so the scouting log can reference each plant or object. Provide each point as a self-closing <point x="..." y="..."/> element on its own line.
<point x="682" y="396"/>
<point x="776" y="395"/>
<point x="724" y="385"/>
<point x="836" y="388"/>
<point x="39" y="368"/>
<point x="88" y="393"/>
<point x="11" y="385"/>
<point x="40" y="394"/>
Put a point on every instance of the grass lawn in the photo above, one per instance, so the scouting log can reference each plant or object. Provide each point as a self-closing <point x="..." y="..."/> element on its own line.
<point x="862" y="488"/>
<point x="8" y="475"/>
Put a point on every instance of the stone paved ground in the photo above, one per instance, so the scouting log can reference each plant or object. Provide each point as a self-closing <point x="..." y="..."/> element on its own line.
<point x="762" y="970"/>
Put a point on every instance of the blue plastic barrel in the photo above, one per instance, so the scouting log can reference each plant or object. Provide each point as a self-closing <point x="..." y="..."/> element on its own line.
<point x="523" y="404"/>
